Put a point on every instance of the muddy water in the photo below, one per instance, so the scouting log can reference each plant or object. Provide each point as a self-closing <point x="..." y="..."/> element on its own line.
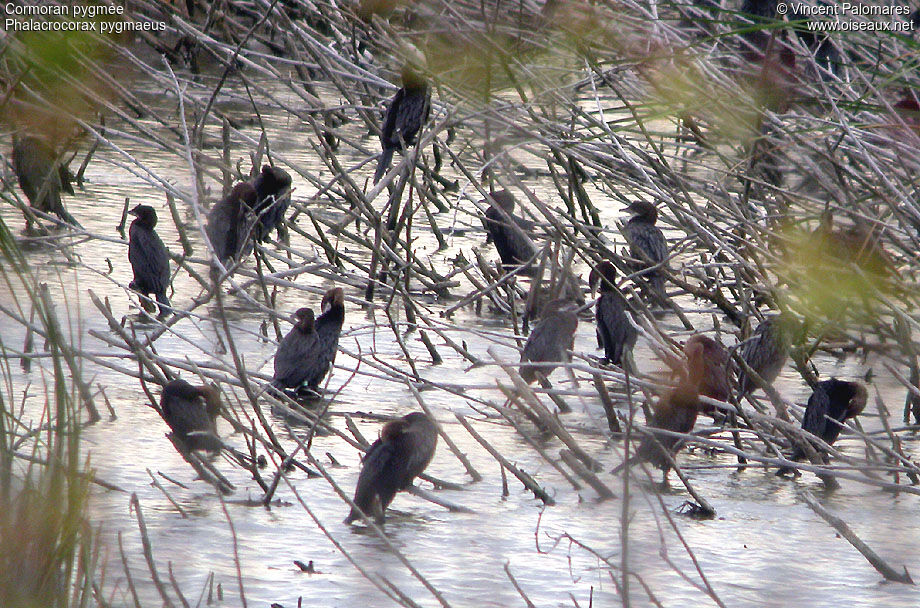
<point x="765" y="548"/>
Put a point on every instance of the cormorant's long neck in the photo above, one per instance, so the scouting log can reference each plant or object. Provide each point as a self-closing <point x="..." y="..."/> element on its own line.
<point x="333" y="317"/>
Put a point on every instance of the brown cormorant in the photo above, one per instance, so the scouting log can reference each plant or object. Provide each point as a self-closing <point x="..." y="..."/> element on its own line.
<point x="676" y="412"/>
<point x="715" y="381"/>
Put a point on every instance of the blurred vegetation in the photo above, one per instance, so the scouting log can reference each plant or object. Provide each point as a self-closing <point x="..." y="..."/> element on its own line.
<point x="48" y="550"/>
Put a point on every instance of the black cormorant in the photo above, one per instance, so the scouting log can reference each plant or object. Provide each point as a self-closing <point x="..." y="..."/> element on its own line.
<point x="550" y="341"/>
<point x="832" y="403"/>
<point x="404" y="449"/>
<point x="229" y="225"/>
<point x="272" y="187"/>
<point x="647" y="244"/>
<point x="191" y="412"/>
<point x="149" y="258"/>
<point x="512" y="241"/>
<point x="615" y="333"/>
<point x="296" y="357"/>
<point x="765" y="352"/>
<point x="407" y="112"/>
<point x="328" y="328"/>
<point x="41" y="177"/>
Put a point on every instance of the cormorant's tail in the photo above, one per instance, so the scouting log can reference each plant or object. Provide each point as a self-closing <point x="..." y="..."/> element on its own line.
<point x="374" y="509"/>
<point x="277" y="388"/>
<point x="66" y="217"/>
<point x="386" y="157"/>
<point x="163" y="303"/>
<point x="626" y="463"/>
<point x="528" y="373"/>
<point x="656" y="282"/>
<point x="795" y="457"/>
<point x="204" y="440"/>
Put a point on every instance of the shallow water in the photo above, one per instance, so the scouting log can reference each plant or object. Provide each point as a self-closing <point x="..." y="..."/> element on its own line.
<point x="765" y="547"/>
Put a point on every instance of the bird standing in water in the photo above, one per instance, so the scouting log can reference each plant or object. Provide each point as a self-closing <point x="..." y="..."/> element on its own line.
<point x="550" y="341"/>
<point x="407" y="112"/>
<point x="228" y="224"/>
<point x="832" y="403"/>
<point x="615" y="332"/>
<point x="647" y="245"/>
<point x="296" y="357"/>
<point x="149" y="258"/>
<point x="272" y="200"/>
<point x="765" y="352"/>
<point x="41" y="177"/>
<point x="401" y="454"/>
<point x="676" y="411"/>
<point x="514" y="245"/>
<point x="191" y="412"/>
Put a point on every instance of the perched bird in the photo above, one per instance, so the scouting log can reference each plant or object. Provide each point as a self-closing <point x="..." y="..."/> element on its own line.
<point x="715" y="381"/>
<point x="149" y="258"/>
<point x="832" y="403"/>
<point x="191" y="412"/>
<point x="296" y="357"/>
<point x="676" y="411"/>
<point x="407" y="112"/>
<point x="272" y="200"/>
<point x="507" y="231"/>
<point x="502" y="197"/>
<point x="402" y="452"/>
<point x="228" y="224"/>
<point x="615" y="333"/>
<point x="328" y="328"/>
<point x="550" y="341"/>
<point x="647" y="244"/>
<point x="765" y="352"/>
<point x="41" y="176"/>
